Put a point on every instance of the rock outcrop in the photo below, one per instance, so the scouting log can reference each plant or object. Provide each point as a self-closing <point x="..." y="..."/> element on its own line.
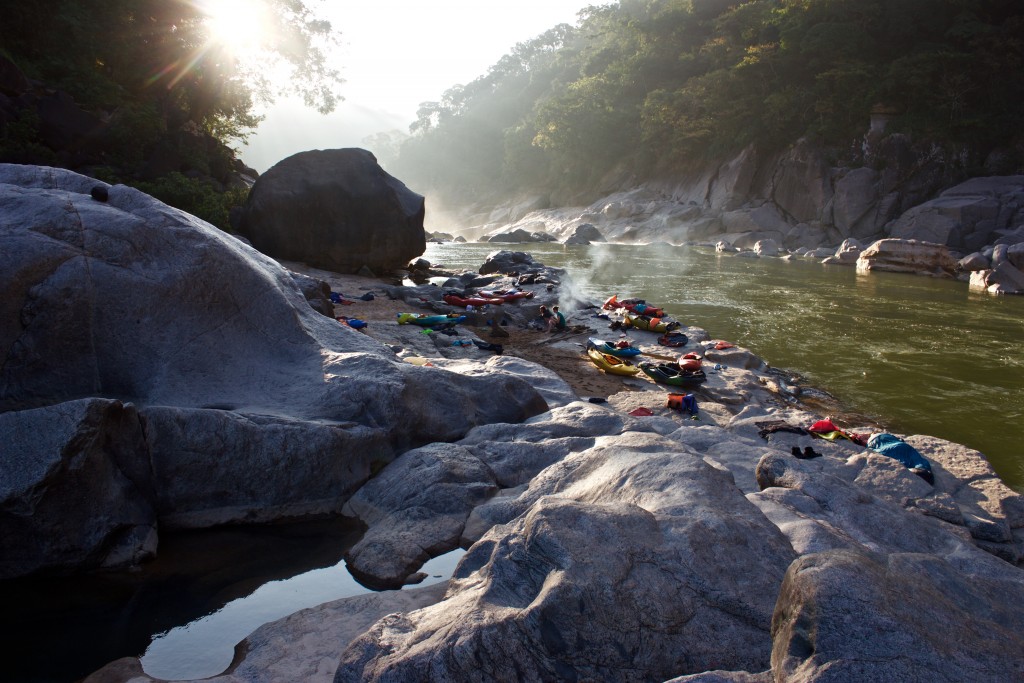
<point x="608" y="546"/>
<point x="335" y="209"/>
<point x="585" y="233"/>
<point x="891" y="191"/>
<point x="907" y="256"/>
<point x="246" y="404"/>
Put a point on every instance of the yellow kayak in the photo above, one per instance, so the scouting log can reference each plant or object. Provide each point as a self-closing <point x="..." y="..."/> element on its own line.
<point x="611" y="364"/>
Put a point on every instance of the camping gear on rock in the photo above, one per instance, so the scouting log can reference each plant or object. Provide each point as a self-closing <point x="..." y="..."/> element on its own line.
<point x="672" y="374"/>
<point x="674" y="338"/>
<point x="824" y="429"/>
<point x="622" y="349"/>
<point x="487" y="346"/>
<point x="683" y="403"/>
<point x="643" y="322"/>
<point x="354" y="323"/>
<point x="611" y="364"/>
<point x="690" y="362"/>
<point x="428" y="320"/>
<point x="898" y="449"/>
<point x="454" y="299"/>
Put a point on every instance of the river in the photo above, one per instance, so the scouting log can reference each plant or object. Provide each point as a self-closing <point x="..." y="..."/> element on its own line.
<point x="919" y="355"/>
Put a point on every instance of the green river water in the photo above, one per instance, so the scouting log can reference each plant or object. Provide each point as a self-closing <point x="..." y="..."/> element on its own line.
<point x="916" y="354"/>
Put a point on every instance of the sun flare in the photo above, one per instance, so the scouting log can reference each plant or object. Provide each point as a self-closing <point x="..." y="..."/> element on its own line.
<point x="240" y="26"/>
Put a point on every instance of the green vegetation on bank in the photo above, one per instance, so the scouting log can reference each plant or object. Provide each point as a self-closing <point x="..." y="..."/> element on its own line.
<point x="655" y="86"/>
<point x="157" y="98"/>
<point x="639" y="87"/>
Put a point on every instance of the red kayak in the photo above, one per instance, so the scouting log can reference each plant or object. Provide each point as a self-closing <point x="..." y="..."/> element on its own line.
<point x="638" y="306"/>
<point x="690" y="362"/>
<point x="511" y="295"/>
<point x="456" y="300"/>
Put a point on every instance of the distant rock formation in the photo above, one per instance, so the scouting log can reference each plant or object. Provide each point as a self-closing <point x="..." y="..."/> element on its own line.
<point x="335" y="209"/>
<point x="155" y="371"/>
<point x="585" y="233"/>
<point x="798" y="199"/>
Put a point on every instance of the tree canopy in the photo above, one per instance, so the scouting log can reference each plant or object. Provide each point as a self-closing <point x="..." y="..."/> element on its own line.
<point x="164" y="84"/>
<point x="658" y="85"/>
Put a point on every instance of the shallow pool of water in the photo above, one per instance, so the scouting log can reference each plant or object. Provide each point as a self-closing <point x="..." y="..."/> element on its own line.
<point x="184" y="612"/>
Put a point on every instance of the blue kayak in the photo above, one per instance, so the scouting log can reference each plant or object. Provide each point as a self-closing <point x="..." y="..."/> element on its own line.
<point x="608" y="347"/>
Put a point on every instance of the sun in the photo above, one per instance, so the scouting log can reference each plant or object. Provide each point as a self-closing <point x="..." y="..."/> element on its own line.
<point x="240" y="26"/>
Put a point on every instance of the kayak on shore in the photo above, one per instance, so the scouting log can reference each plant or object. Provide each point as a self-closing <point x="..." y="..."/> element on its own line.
<point x="462" y="301"/>
<point x="672" y="375"/>
<point x="648" y="323"/>
<point x="428" y="320"/>
<point x="638" y="306"/>
<point x="611" y="364"/>
<point x="622" y="349"/>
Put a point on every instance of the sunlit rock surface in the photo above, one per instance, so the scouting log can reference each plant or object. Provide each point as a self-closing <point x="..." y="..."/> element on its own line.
<point x="252" y="405"/>
<point x="907" y="256"/>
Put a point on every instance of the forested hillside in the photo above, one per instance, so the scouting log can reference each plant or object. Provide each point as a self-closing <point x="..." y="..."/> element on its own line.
<point x="655" y="86"/>
<point x="149" y="93"/>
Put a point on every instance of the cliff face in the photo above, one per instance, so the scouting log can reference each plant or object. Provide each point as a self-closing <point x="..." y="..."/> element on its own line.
<point x="796" y="198"/>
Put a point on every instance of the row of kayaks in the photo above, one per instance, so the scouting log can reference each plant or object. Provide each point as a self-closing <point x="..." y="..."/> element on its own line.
<point x="687" y="371"/>
<point x="484" y="298"/>
<point x="641" y="315"/>
<point x="429" y="320"/>
<point x="614" y="357"/>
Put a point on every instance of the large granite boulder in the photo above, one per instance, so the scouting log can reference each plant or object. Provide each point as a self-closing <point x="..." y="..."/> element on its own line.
<point x="801" y="186"/>
<point x="855" y="205"/>
<point x="584" y="233"/>
<point x="965" y="217"/>
<point x="855" y="616"/>
<point x="1003" y="279"/>
<point x="335" y="209"/>
<point x="634" y="560"/>
<point x="252" y="406"/>
<point x="907" y="256"/>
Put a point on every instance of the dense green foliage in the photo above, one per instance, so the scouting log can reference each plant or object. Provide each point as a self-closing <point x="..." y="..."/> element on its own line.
<point x="167" y="98"/>
<point x="657" y="85"/>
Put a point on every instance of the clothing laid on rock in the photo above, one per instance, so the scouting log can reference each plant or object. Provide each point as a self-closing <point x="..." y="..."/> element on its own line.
<point x="354" y="323"/>
<point x="769" y="427"/>
<point x="898" y="449"/>
<point x="825" y="429"/>
<point x="487" y="346"/>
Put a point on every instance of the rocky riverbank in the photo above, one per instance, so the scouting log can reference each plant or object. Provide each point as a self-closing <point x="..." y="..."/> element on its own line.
<point x="606" y="543"/>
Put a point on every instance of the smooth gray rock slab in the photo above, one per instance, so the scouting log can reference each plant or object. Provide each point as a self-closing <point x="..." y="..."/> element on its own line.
<point x="257" y="406"/>
<point x="415" y="509"/>
<point x="75" y="488"/>
<point x="854" y="616"/>
<point x="632" y="561"/>
<point x="215" y="467"/>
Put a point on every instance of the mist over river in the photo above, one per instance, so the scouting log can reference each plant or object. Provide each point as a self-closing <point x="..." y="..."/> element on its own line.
<point x="916" y="354"/>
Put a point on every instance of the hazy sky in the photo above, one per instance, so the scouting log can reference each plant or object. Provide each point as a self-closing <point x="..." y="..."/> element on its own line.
<point x="396" y="54"/>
